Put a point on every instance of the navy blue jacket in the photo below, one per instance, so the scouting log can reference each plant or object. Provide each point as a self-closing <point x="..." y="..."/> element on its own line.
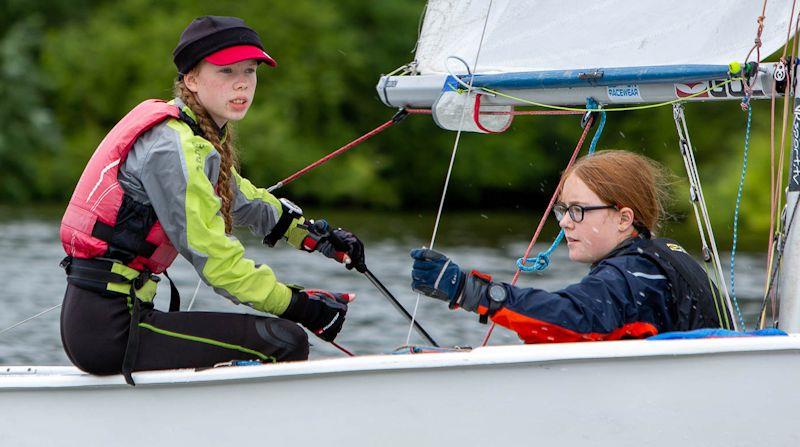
<point x="625" y="295"/>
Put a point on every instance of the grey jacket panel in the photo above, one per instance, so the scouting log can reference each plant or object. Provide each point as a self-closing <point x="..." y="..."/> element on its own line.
<point x="149" y="176"/>
<point x="259" y="216"/>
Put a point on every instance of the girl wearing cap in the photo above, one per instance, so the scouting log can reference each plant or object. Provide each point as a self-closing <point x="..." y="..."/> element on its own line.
<point x="165" y="182"/>
<point x="637" y="286"/>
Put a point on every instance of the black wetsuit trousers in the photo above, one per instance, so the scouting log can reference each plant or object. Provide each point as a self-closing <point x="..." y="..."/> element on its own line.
<point x="94" y="331"/>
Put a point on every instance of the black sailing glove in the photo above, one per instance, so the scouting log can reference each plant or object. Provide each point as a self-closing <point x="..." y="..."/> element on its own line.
<point x="320" y="311"/>
<point x="336" y="243"/>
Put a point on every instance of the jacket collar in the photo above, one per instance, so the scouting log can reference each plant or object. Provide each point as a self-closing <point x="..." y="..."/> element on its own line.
<point x="223" y="133"/>
<point x="620" y="248"/>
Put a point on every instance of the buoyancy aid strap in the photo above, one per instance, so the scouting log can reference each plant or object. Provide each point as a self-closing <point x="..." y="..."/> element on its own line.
<point x="105" y="233"/>
<point x="94" y="271"/>
<point x="132" y="345"/>
<point x="174" y="295"/>
<point x="183" y="116"/>
<point x="657" y="253"/>
<point x="106" y="276"/>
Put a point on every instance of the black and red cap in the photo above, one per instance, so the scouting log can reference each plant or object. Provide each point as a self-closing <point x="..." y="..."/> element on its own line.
<point x="219" y="40"/>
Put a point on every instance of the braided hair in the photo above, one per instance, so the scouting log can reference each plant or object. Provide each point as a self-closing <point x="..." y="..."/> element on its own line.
<point x="227" y="151"/>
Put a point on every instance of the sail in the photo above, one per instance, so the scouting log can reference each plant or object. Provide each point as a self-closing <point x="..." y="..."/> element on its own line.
<point x="535" y="35"/>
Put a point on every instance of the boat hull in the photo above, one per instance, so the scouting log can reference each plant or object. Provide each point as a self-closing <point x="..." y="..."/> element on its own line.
<point x="738" y="391"/>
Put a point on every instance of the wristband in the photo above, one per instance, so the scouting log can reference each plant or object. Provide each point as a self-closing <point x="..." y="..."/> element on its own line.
<point x="289" y="213"/>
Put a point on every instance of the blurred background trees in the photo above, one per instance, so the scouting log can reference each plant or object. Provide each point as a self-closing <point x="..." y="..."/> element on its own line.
<point x="69" y="69"/>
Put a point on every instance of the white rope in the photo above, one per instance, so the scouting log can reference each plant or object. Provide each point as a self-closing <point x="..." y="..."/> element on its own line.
<point x="452" y="161"/>
<point x="191" y="303"/>
<point x="30" y="318"/>
<point x="701" y="215"/>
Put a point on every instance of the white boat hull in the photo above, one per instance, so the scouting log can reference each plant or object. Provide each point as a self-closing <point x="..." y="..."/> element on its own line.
<point x="740" y="391"/>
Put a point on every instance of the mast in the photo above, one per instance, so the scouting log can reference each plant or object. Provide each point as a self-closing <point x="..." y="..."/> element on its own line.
<point x="789" y="287"/>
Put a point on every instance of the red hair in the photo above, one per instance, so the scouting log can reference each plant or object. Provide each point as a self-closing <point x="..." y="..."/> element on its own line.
<point x="626" y="179"/>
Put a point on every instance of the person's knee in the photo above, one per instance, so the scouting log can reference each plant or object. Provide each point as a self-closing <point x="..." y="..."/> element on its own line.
<point x="284" y="340"/>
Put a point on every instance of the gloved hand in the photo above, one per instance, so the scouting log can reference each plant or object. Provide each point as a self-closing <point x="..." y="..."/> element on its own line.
<point x="320" y="311"/>
<point x="336" y="243"/>
<point x="435" y="275"/>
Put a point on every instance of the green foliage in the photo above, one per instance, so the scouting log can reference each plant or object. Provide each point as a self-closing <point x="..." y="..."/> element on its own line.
<point x="71" y="69"/>
<point x="27" y="131"/>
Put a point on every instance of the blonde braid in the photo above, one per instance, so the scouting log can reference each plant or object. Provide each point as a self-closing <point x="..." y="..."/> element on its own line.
<point x="226" y="149"/>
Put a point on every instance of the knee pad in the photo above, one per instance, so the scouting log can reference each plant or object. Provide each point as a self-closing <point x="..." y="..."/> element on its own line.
<point x="283" y="339"/>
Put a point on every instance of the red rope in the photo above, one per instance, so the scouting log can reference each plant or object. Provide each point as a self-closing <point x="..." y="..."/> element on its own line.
<point x="513" y="112"/>
<point x="546" y="214"/>
<point x="396" y="119"/>
<point x="342" y="348"/>
<point x="536" y="112"/>
<point x="337" y="152"/>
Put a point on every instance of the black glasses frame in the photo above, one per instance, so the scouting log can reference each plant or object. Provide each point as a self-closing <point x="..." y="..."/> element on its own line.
<point x="576" y="212"/>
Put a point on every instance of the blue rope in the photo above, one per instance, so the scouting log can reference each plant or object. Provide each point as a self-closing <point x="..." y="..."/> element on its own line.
<point x="736" y="211"/>
<point x="592" y="104"/>
<point x="542" y="260"/>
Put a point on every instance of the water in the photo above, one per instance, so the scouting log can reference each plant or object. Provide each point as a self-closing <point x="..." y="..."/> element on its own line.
<point x="32" y="281"/>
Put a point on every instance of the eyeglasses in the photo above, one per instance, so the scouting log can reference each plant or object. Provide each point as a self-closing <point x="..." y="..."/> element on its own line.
<point x="576" y="212"/>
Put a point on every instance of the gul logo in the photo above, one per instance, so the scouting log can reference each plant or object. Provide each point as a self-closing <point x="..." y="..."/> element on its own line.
<point x="691" y="88"/>
<point x="675" y="247"/>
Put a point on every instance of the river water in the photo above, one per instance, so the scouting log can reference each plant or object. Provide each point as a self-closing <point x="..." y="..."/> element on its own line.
<point x="32" y="281"/>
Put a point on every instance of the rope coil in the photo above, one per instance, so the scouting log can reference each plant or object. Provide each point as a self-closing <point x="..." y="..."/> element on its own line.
<point x="542" y="260"/>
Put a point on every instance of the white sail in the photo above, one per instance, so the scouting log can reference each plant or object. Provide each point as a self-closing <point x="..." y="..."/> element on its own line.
<point x="535" y="35"/>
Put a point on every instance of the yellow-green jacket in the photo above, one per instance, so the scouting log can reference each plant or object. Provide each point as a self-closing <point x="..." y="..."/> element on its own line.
<point x="176" y="172"/>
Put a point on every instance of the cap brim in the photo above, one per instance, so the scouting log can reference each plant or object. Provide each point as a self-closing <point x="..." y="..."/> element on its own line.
<point x="232" y="55"/>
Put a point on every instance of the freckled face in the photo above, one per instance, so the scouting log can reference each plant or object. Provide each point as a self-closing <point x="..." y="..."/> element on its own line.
<point x="599" y="231"/>
<point x="226" y="91"/>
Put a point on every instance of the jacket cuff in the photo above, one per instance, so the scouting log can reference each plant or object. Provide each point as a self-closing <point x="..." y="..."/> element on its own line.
<point x="280" y="296"/>
<point x="475" y="288"/>
<point x="296" y="232"/>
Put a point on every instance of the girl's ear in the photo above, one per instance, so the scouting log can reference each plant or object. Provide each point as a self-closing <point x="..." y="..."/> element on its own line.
<point x="190" y="80"/>
<point x="625" y="218"/>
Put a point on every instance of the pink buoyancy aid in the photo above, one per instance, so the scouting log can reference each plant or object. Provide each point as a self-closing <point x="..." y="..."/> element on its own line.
<point x="90" y="218"/>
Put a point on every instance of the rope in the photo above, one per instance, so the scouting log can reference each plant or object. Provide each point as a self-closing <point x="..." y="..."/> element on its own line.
<point x="776" y="178"/>
<point x="535" y="112"/>
<point x="194" y="295"/>
<point x="452" y="162"/>
<point x="29" y="318"/>
<point x="513" y="112"/>
<point x="395" y="119"/>
<point x="593" y="145"/>
<point x="710" y="252"/>
<point x="614" y="109"/>
<point x="775" y="272"/>
<point x="587" y="124"/>
<point x="542" y="260"/>
<point x="748" y="86"/>
<point x="736" y="215"/>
